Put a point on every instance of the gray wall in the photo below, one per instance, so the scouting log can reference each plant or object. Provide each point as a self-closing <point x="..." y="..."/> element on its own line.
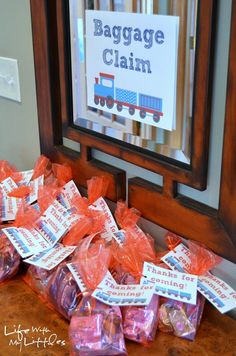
<point x="19" y="139"/>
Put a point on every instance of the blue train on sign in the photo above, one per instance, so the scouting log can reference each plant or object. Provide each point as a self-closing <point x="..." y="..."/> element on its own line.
<point x="106" y="93"/>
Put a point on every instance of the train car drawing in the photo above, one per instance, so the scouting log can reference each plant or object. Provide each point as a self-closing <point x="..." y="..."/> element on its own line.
<point x="114" y="300"/>
<point x="128" y="300"/>
<point x="105" y="92"/>
<point x="219" y="303"/>
<point x="140" y="300"/>
<point x="173" y="292"/>
<point x="210" y="295"/>
<point x="202" y="287"/>
<point x="185" y="295"/>
<point x="160" y="289"/>
<point x="102" y="296"/>
<point x="174" y="264"/>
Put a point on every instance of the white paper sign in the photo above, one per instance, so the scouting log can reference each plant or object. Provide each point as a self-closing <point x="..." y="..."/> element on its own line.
<point x="110" y="224"/>
<point x="26" y="241"/>
<point x="112" y="293"/>
<point x="220" y="294"/>
<point x="68" y="193"/>
<point x="135" y="71"/>
<point x="54" y="223"/>
<point x="52" y="257"/>
<point x="169" y="284"/>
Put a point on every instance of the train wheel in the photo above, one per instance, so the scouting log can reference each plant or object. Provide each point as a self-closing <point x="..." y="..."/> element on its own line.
<point x="142" y="114"/>
<point x="156" y="117"/>
<point x="96" y="99"/>
<point x="110" y="102"/>
<point x="119" y="107"/>
<point x="102" y="101"/>
<point x="131" y="110"/>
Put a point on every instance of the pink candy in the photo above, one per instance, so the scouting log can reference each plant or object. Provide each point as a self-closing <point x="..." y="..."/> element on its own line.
<point x="96" y="329"/>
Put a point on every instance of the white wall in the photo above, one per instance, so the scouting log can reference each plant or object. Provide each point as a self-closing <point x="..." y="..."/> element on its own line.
<point x="19" y="138"/>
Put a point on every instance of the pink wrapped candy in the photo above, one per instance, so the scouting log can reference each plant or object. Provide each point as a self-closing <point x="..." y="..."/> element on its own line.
<point x="140" y="323"/>
<point x="96" y="329"/>
<point x="181" y="319"/>
<point x="63" y="292"/>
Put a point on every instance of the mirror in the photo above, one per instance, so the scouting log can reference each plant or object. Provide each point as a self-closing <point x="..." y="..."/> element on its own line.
<point x="176" y="143"/>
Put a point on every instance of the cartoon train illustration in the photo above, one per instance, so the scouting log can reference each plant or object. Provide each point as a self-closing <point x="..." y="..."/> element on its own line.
<point x="119" y="301"/>
<point x="105" y="92"/>
<point x="210" y="295"/>
<point x="174" y="264"/>
<point x="18" y="242"/>
<point x="172" y="292"/>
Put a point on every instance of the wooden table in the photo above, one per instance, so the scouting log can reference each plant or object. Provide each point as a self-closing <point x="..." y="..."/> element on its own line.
<point x="20" y="307"/>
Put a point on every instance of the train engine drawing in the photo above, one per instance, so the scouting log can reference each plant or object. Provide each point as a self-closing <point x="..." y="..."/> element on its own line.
<point x="105" y="93"/>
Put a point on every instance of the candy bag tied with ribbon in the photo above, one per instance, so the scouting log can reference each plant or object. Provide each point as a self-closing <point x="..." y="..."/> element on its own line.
<point x="91" y="220"/>
<point x="62" y="292"/>
<point x="95" y="328"/>
<point x="139" y="323"/>
<point x="183" y="319"/>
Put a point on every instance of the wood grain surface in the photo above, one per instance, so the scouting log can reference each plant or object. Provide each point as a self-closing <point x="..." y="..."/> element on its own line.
<point x="21" y="306"/>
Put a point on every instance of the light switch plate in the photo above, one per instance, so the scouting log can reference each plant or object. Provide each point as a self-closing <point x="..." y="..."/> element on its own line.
<point x="9" y="79"/>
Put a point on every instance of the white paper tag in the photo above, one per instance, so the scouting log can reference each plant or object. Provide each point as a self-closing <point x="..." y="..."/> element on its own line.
<point x="54" y="223"/>
<point x="112" y="293"/>
<point x="68" y="193"/>
<point x="36" y="207"/>
<point x="110" y="225"/>
<point x="178" y="259"/>
<point x="169" y="284"/>
<point x="220" y="294"/>
<point x="119" y="236"/>
<point x="8" y="185"/>
<point x="26" y="241"/>
<point x="73" y="267"/>
<point x="52" y="257"/>
<point x="26" y="177"/>
<point x="35" y="184"/>
<point x="10" y="207"/>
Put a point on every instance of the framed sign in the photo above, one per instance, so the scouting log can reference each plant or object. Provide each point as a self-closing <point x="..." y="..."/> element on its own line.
<point x="135" y="70"/>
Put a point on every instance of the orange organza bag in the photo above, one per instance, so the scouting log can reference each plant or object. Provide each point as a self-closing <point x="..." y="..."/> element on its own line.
<point x="95" y="328"/>
<point x="91" y="220"/>
<point x="137" y="247"/>
<point x="7" y="170"/>
<point x="62" y="172"/>
<point x="92" y="258"/>
<point x="42" y="167"/>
